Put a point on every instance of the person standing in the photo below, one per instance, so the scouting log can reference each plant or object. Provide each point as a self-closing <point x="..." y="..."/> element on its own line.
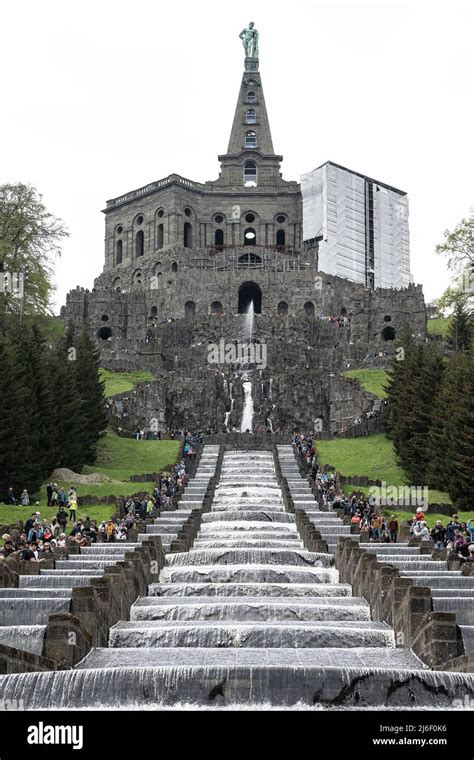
<point x="72" y="498"/>
<point x="49" y="493"/>
<point x="393" y="529"/>
<point x="438" y="534"/>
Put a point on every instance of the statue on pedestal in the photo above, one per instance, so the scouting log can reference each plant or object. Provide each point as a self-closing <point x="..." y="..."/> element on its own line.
<point x="249" y="37"/>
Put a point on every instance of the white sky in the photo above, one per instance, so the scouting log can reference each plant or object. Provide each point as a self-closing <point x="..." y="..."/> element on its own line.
<point x="101" y="97"/>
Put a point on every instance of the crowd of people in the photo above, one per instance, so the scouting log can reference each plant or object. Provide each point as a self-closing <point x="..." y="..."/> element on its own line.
<point x="40" y="536"/>
<point x="457" y="537"/>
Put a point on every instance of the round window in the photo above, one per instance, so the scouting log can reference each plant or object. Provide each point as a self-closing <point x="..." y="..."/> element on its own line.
<point x="187" y="211"/>
<point x="139" y="219"/>
<point x="160" y="213"/>
<point x="250" y="218"/>
<point x="281" y="219"/>
<point x="219" y="219"/>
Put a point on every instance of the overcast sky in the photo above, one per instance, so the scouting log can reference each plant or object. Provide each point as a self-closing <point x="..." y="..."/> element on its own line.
<point x="101" y="97"/>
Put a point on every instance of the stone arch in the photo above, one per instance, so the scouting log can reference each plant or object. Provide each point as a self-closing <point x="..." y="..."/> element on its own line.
<point x="282" y="309"/>
<point x="309" y="308"/>
<point x="188" y="235"/>
<point x="388" y="333"/>
<point x="104" y="333"/>
<point x="174" y="266"/>
<point x="157" y="268"/>
<point x="117" y="283"/>
<point x="250" y="236"/>
<point x="216" y="307"/>
<point x="249" y="291"/>
<point x="160" y="235"/>
<point x="280" y="238"/>
<point x="219" y="238"/>
<point x="190" y="309"/>
<point x="153" y="312"/>
<point x="139" y="243"/>
<point x="137" y="277"/>
<point x="252" y="260"/>
<point x="343" y="312"/>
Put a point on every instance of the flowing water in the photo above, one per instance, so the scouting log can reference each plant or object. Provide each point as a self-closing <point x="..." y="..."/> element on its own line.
<point x="247" y="619"/>
<point x="247" y="414"/>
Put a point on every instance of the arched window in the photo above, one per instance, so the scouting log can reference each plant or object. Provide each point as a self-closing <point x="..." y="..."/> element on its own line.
<point x="250" y="139"/>
<point x="250" y="236"/>
<point x="188" y="235"/>
<point x="250" y="260"/>
<point x="189" y="309"/>
<point x="119" y="252"/>
<point x="139" y="243"/>
<point x="251" y="97"/>
<point x="154" y="312"/>
<point x="282" y="309"/>
<point x="309" y="308"/>
<point x="343" y="312"/>
<point x="157" y="268"/>
<point x="174" y="266"/>
<point x="280" y="238"/>
<point x="219" y="238"/>
<point x="250" y="174"/>
<point x="160" y="235"/>
<point x="251" y="116"/>
<point x="137" y="277"/>
<point x="216" y="307"/>
<point x="116" y="283"/>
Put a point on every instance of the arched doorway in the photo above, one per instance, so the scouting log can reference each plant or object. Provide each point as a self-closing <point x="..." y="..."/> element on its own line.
<point x="309" y="308"/>
<point x="250" y="291"/>
<point x="388" y="333"/>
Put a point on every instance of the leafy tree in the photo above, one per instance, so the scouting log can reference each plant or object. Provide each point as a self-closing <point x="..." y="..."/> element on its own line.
<point x="458" y="247"/>
<point x="30" y="238"/>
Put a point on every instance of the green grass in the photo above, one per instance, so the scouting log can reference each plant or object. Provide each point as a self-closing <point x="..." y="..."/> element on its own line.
<point x="438" y="326"/>
<point x="371" y="380"/>
<point x="121" y="382"/>
<point x="119" y="458"/>
<point x="10" y="515"/>
<point x="372" y="456"/>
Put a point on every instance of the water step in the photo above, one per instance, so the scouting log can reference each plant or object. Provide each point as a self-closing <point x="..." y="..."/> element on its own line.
<point x="248" y="574"/>
<point x="169" y="633"/>
<point x="267" y="589"/>
<point x="29" y="611"/>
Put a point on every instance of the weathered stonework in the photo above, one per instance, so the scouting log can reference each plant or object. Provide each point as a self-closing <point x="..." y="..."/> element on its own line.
<point x="179" y="274"/>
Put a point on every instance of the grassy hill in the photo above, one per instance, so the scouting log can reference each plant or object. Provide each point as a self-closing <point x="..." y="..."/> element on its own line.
<point x="372" y="456"/>
<point x="371" y="380"/>
<point x="438" y="326"/>
<point x="121" y="382"/>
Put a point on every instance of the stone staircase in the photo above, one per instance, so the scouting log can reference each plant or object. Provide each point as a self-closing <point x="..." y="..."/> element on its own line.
<point x="247" y="617"/>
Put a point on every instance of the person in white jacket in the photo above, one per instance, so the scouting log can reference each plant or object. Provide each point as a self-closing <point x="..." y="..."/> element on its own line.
<point x="422" y="531"/>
